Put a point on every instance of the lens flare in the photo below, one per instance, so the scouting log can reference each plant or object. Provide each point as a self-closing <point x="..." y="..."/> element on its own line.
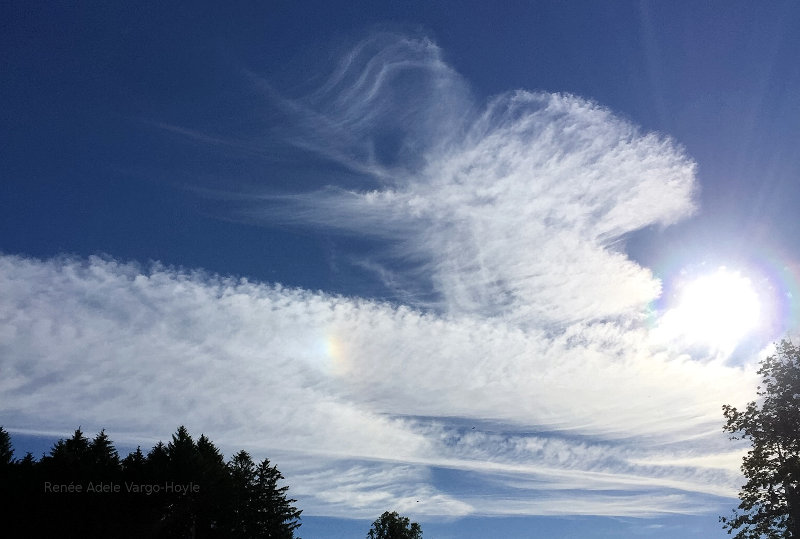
<point x="717" y="310"/>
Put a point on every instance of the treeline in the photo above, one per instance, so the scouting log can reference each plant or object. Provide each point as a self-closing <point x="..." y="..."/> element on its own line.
<point x="180" y="489"/>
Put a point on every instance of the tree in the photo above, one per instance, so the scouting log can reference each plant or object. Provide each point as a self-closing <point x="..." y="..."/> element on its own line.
<point x="182" y="453"/>
<point x="6" y="451"/>
<point x="133" y="464"/>
<point x="178" y="490"/>
<point x="105" y="458"/>
<point x="261" y="507"/>
<point x="211" y="475"/>
<point x="71" y="455"/>
<point x="275" y="514"/>
<point x="157" y="463"/>
<point x="242" y="472"/>
<point x="7" y="464"/>
<point x="770" y="499"/>
<point x="393" y="526"/>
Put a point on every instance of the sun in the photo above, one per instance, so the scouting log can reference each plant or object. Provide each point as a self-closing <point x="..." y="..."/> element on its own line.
<point x="717" y="309"/>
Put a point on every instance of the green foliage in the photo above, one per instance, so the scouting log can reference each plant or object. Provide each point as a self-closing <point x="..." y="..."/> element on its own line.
<point x="770" y="499"/>
<point x="393" y="526"/>
<point x="181" y="489"/>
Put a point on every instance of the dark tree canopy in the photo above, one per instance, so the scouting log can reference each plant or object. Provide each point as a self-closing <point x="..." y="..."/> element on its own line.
<point x="770" y="499"/>
<point x="6" y="451"/>
<point x="180" y="489"/>
<point x="393" y="526"/>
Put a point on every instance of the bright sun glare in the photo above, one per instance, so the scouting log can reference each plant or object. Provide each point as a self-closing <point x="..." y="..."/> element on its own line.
<point x="717" y="310"/>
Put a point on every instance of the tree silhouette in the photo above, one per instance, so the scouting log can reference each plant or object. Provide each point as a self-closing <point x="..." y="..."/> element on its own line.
<point x="103" y="455"/>
<point x="157" y="463"/>
<point x="261" y="506"/>
<point x="770" y="499"/>
<point x="181" y="489"/>
<point x="6" y="451"/>
<point x="133" y="465"/>
<point x="241" y="518"/>
<point x="393" y="526"/>
<point x="7" y="467"/>
<point x="179" y="512"/>
<point x="70" y="458"/>
<point x="273" y="511"/>
<point x="65" y="489"/>
<point x="212" y="500"/>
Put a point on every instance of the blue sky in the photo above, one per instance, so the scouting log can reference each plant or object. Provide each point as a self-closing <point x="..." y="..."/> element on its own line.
<point x="435" y="257"/>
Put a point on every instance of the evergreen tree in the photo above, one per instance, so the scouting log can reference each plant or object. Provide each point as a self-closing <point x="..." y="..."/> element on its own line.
<point x="16" y="488"/>
<point x="209" y="456"/>
<point x="242" y="469"/>
<point x="133" y="465"/>
<point x="261" y="508"/>
<point x="275" y="514"/>
<point x="106" y="514"/>
<point x="28" y="461"/>
<point x="157" y="462"/>
<point x="141" y="511"/>
<point x="237" y="499"/>
<point x="182" y="453"/>
<point x="241" y="518"/>
<point x="71" y="463"/>
<point x="6" y="451"/>
<point x="70" y="458"/>
<point x="213" y="481"/>
<point x="104" y="456"/>
<point x="180" y="514"/>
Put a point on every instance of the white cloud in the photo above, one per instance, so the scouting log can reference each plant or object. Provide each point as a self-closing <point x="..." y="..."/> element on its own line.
<point x="513" y="216"/>
<point x="283" y="371"/>
<point x="366" y="489"/>
<point x="513" y="211"/>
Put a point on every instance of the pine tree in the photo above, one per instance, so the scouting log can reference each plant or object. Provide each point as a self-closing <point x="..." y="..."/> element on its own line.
<point x="104" y="456"/>
<point x="133" y="465"/>
<point x="260" y="508"/>
<point x="180" y="516"/>
<point x="28" y="461"/>
<point x="241" y="515"/>
<point x="182" y="453"/>
<point x="237" y="499"/>
<point x="275" y="514"/>
<point x="6" y="450"/>
<point x="70" y="462"/>
<point x="71" y="456"/>
<point x="212" y="501"/>
<point x="157" y="463"/>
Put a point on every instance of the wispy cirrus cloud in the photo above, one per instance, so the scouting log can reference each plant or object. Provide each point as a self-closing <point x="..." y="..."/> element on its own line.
<point x="513" y="210"/>
<point x="519" y="355"/>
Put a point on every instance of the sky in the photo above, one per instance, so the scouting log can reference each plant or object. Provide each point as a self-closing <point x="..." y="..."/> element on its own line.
<point x="494" y="266"/>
